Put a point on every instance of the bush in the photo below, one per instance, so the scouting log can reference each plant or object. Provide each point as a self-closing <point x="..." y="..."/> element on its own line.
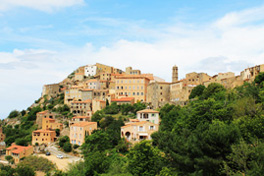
<point x="10" y="159"/>
<point x="67" y="147"/>
<point x="75" y="146"/>
<point x="63" y="140"/>
<point x="57" y="132"/>
<point x="13" y="114"/>
<point x="25" y="171"/>
<point x="37" y="163"/>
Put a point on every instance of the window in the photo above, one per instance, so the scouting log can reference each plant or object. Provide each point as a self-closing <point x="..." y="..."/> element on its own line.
<point x="152" y="115"/>
<point x="160" y="93"/>
<point x="117" y="87"/>
<point x="140" y="128"/>
<point x="134" y="93"/>
<point x="160" y="87"/>
<point x="137" y="93"/>
<point x="137" y="87"/>
<point x="151" y="127"/>
<point x="142" y="93"/>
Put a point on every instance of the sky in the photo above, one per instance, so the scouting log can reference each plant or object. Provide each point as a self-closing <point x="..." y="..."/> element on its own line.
<point x="43" y="41"/>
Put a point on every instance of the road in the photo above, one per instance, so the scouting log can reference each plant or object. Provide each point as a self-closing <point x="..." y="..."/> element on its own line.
<point x="62" y="164"/>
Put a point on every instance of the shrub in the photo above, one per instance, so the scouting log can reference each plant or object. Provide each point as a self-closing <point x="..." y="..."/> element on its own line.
<point x="13" y="114"/>
<point x="37" y="163"/>
<point x="75" y="146"/>
<point x="67" y="147"/>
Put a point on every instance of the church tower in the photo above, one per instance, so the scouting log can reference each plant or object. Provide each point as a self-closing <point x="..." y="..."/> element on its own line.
<point x="174" y="74"/>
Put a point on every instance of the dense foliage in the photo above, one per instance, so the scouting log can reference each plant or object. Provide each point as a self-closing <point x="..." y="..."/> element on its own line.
<point x="37" y="163"/>
<point x="19" y="171"/>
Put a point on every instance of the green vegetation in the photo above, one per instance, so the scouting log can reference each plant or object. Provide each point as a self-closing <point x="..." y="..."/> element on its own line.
<point x="21" y="134"/>
<point x="37" y="163"/>
<point x="13" y="114"/>
<point x="19" y="171"/>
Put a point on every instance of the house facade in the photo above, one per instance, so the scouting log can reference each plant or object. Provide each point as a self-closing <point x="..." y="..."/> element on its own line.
<point x="43" y="136"/>
<point x="138" y="131"/>
<point x="78" y="131"/>
<point x="18" y="152"/>
<point x="148" y="115"/>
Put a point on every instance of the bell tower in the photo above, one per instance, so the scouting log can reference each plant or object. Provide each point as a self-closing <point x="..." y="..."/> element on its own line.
<point x="174" y="74"/>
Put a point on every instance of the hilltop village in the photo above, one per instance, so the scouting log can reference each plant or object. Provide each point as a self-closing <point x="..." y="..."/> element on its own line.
<point x="92" y="88"/>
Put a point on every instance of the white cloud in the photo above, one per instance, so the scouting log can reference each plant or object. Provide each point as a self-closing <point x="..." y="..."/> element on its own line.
<point x="43" y="5"/>
<point x="241" y="17"/>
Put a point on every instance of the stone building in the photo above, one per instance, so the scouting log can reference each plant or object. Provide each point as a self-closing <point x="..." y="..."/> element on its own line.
<point x="51" y="124"/>
<point x="130" y="71"/>
<point x="138" y="131"/>
<point x="249" y="74"/>
<point x="44" y="114"/>
<point x="158" y="93"/>
<point x="174" y="74"/>
<point x="51" y="90"/>
<point x="148" y="115"/>
<point x="132" y="86"/>
<point x="43" y="137"/>
<point x="90" y="70"/>
<point x="78" y="131"/>
<point x="18" y="152"/>
<point x="81" y="108"/>
<point x="98" y="105"/>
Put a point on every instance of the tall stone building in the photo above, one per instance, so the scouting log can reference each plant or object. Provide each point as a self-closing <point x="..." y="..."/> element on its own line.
<point x="174" y="74"/>
<point x="158" y="93"/>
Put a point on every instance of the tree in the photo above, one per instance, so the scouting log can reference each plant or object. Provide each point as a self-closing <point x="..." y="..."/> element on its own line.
<point x="96" y="163"/>
<point x="57" y="132"/>
<point x="13" y="114"/>
<point x="37" y="163"/>
<point x="197" y="91"/>
<point x="6" y="170"/>
<point x="98" y="141"/>
<point x="25" y="171"/>
<point x="144" y="159"/>
<point x="21" y="141"/>
<point x="212" y="90"/>
<point x="259" y="80"/>
<point x="10" y="159"/>
<point x="63" y="140"/>
<point x="67" y="147"/>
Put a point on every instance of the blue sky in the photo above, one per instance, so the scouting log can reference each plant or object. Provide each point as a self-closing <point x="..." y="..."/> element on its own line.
<point x="43" y="41"/>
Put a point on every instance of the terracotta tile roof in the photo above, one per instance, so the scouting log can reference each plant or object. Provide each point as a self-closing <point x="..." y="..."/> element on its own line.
<point x="44" y="131"/>
<point x="18" y="149"/>
<point x="81" y="117"/>
<point x="86" y="89"/>
<point x="92" y="80"/>
<point x="82" y="124"/>
<point x="49" y="119"/>
<point x="79" y="74"/>
<point x="135" y="124"/>
<point x="133" y="77"/>
<point x="86" y="101"/>
<point x="134" y="120"/>
<point x="148" y="111"/>
<point x="43" y="112"/>
<point x="123" y="99"/>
